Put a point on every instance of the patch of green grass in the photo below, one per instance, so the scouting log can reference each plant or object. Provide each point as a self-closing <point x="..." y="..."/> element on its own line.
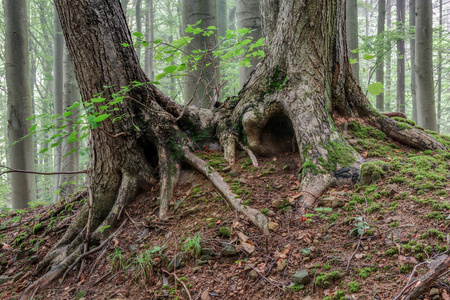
<point x="192" y="245"/>
<point x="353" y="287"/>
<point x="325" y="279"/>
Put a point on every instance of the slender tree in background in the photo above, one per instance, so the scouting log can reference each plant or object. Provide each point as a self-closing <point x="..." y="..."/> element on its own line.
<point x="198" y="83"/>
<point x="150" y="37"/>
<point x="439" y="70"/>
<point x="138" y="26"/>
<point x="426" y="110"/>
<point x="248" y="15"/>
<point x="352" y="34"/>
<point x="232" y="16"/>
<point x="58" y="73"/>
<point x="412" y="46"/>
<point x="222" y="17"/>
<point x="388" y="87"/>
<point x="380" y="57"/>
<point x="124" y="4"/>
<point x="401" y="58"/>
<point x="17" y="66"/>
<point x="69" y="149"/>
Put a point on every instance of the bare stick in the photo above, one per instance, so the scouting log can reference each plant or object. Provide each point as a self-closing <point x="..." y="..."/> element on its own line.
<point x="182" y="283"/>
<point x="11" y="170"/>
<point x="249" y="152"/>
<point x="356" y="250"/>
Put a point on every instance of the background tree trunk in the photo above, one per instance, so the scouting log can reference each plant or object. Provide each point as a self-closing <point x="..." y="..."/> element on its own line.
<point x="58" y="54"/>
<point x="388" y="87"/>
<point x="401" y="59"/>
<point x="248" y="15"/>
<point x="150" y="37"/>
<point x="222" y="17"/>
<point x="426" y="111"/>
<point x="439" y="70"/>
<point x="352" y="34"/>
<point x="380" y="44"/>
<point x="199" y="82"/>
<point x="17" y="65"/>
<point x="412" y="43"/>
<point x="138" y="27"/>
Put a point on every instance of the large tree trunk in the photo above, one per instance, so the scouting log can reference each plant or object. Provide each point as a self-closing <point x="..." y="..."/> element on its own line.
<point x="426" y="110"/>
<point x="17" y="66"/>
<point x="289" y="102"/>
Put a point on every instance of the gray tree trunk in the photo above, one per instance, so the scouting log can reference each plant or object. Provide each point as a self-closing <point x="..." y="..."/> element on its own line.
<point x="138" y="27"/>
<point x="222" y="17"/>
<point x="426" y="111"/>
<point x="150" y="37"/>
<point x="69" y="162"/>
<point x="380" y="58"/>
<point x="401" y="59"/>
<point x="248" y="15"/>
<point x="388" y="87"/>
<point x="352" y="34"/>
<point x="439" y="71"/>
<point x="58" y="54"/>
<point x="412" y="46"/>
<point x="124" y="4"/>
<point x="198" y="85"/>
<point x="232" y="16"/>
<point x="17" y="66"/>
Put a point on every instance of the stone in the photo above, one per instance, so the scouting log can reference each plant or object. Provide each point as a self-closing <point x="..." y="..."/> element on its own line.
<point x="385" y="168"/>
<point x="327" y="201"/>
<point x="196" y="269"/>
<point x="336" y="203"/>
<point x="437" y="297"/>
<point x="228" y="251"/>
<point x="176" y="262"/>
<point x="434" y="292"/>
<point x="242" y="180"/>
<point x="225" y="231"/>
<point x="253" y="275"/>
<point x="273" y="226"/>
<point x="376" y="176"/>
<point x="270" y="213"/>
<point x="205" y="257"/>
<point x="392" y="189"/>
<point x="277" y="203"/>
<point x="326" y="238"/>
<point x="133" y="248"/>
<point x="234" y="174"/>
<point x="301" y="277"/>
<point x="207" y="251"/>
<point x="226" y="169"/>
<point x="281" y="265"/>
<point x="201" y="262"/>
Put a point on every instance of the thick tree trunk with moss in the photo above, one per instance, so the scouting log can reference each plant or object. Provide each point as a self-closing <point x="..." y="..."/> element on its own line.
<point x="291" y="102"/>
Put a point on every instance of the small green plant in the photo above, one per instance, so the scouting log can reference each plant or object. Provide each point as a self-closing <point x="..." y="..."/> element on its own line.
<point x="117" y="260"/>
<point x="365" y="272"/>
<point x="337" y="295"/>
<point x="296" y="287"/>
<point x="360" y="226"/>
<point x="324" y="279"/>
<point x="405" y="268"/>
<point x="353" y="287"/>
<point x="192" y="245"/>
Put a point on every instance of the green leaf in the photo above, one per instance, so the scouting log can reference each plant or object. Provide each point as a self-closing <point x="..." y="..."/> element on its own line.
<point x="76" y="104"/>
<point x="72" y="137"/>
<point x="170" y="69"/>
<point x="33" y="128"/>
<point x="375" y="88"/>
<point x="369" y="56"/>
<point x="96" y="100"/>
<point x="125" y="45"/>
<point x="101" y="117"/>
<point x="43" y="150"/>
<point x="67" y="113"/>
<point x="138" y="34"/>
<point x="353" y="60"/>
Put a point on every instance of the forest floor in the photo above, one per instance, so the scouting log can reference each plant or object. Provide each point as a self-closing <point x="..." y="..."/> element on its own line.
<point x="360" y="242"/>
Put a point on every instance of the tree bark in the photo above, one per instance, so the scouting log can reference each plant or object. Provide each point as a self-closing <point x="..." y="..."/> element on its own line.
<point x="380" y="58"/>
<point x="412" y="46"/>
<point x="248" y="15"/>
<point x="426" y="110"/>
<point x="138" y="27"/>
<point x="439" y="70"/>
<point x="222" y="17"/>
<point x="388" y="87"/>
<point x="352" y="34"/>
<point x="150" y="37"/>
<point x="58" y="55"/>
<point x="198" y="85"/>
<point x="401" y="59"/>
<point x="17" y="67"/>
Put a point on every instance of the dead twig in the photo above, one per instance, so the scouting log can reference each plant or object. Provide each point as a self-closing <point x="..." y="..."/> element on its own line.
<point x="182" y="283"/>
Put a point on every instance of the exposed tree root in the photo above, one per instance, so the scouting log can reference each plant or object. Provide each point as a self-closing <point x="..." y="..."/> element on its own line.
<point x="169" y="171"/>
<point x="255" y="216"/>
<point x="249" y="152"/>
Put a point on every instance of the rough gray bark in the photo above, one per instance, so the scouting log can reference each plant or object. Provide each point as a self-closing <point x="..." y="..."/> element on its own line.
<point x="17" y="67"/>
<point x="248" y="15"/>
<point x="69" y="162"/>
<point x="412" y="46"/>
<point x="198" y="85"/>
<point x="58" y="54"/>
<point x="388" y="87"/>
<point x="426" y="110"/>
<point x="401" y="59"/>
<point x="439" y="71"/>
<point x="352" y="34"/>
<point x="150" y="37"/>
<point x="380" y="58"/>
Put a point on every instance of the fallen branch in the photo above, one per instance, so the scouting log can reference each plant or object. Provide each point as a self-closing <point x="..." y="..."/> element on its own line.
<point x="11" y="170"/>
<point x="182" y="283"/>
<point x="255" y="216"/>
<point x="436" y="268"/>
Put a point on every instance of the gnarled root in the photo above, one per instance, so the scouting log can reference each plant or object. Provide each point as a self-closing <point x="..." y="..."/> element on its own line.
<point x="169" y="171"/>
<point x="255" y="216"/>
